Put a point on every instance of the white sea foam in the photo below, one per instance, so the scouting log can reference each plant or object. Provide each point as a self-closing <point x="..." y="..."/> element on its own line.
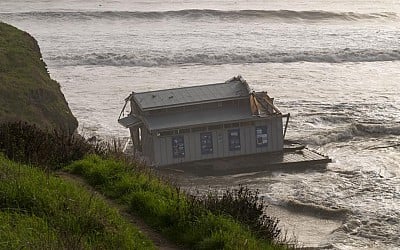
<point x="350" y="131"/>
<point x="209" y="13"/>
<point x="161" y="58"/>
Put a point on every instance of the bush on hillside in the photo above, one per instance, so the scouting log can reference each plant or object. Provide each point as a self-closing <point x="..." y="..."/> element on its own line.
<point x="245" y="206"/>
<point x="29" y="144"/>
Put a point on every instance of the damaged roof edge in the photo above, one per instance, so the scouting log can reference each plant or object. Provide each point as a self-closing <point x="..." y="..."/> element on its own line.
<point x="242" y="80"/>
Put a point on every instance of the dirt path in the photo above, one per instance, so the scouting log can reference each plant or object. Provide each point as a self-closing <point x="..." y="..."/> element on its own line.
<point x="159" y="241"/>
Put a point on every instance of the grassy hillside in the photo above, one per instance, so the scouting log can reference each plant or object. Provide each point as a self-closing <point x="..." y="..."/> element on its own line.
<point x="181" y="218"/>
<point x="27" y="92"/>
<point x="38" y="211"/>
<point x="33" y="203"/>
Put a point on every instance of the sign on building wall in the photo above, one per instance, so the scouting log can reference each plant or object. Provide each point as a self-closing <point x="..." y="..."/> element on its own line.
<point x="234" y="139"/>
<point x="178" y="147"/>
<point x="261" y="136"/>
<point x="206" y="143"/>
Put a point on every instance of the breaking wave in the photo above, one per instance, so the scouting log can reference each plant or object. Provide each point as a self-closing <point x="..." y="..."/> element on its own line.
<point x="209" y="13"/>
<point x="151" y="59"/>
<point x="378" y="129"/>
<point x="353" y="130"/>
<point x="315" y="210"/>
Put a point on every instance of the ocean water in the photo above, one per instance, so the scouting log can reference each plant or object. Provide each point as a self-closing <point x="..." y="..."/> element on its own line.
<point x="334" y="65"/>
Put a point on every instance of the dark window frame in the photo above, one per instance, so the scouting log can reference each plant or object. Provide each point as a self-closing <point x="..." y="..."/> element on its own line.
<point x="178" y="146"/>
<point x="206" y="143"/>
<point x="261" y="133"/>
<point x="234" y="140"/>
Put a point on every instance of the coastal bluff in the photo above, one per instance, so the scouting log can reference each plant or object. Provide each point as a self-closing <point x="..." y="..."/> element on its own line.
<point x="27" y="93"/>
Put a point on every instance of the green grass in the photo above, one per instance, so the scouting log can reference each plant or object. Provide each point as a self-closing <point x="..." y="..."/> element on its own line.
<point x="27" y="92"/>
<point x="38" y="211"/>
<point x="165" y="208"/>
<point x="18" y="230"/>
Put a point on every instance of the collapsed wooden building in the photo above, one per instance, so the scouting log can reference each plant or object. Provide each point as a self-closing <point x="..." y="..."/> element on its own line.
<point x="203" y="122"/>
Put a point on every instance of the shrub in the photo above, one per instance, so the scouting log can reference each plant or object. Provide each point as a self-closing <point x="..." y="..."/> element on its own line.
<point x="245" y="206"/>
<point x="27" y="143"/>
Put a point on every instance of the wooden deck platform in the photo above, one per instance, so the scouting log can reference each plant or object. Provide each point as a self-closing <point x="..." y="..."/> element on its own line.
<point x="290" y="160"/>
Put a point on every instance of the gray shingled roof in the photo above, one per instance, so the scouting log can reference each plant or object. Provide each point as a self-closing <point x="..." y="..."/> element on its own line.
<point x="198" y="117"/>
<point x="235" y="88"/>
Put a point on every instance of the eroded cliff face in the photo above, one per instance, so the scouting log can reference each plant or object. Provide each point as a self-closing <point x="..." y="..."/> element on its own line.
<point x="27" y="93"/>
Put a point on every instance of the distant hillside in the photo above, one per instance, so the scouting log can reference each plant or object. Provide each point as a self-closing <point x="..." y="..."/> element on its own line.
<point x="27" y="92"/>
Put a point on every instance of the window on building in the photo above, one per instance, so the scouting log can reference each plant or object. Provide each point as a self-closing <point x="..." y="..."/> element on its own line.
<point x="261" y="136"/>
<point x="206" y="143"/>
<point x="183" y="130"/>
<point x="234" y="139"/>
<point x="178" y="147"/>
<point x="199" y="129"/>
<point x="244" y="124"/>
<point x="214" y="127"/>
<point x="165" y="133"/>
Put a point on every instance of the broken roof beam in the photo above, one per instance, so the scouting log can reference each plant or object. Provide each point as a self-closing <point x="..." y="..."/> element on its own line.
<point x="266" y="102"/>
